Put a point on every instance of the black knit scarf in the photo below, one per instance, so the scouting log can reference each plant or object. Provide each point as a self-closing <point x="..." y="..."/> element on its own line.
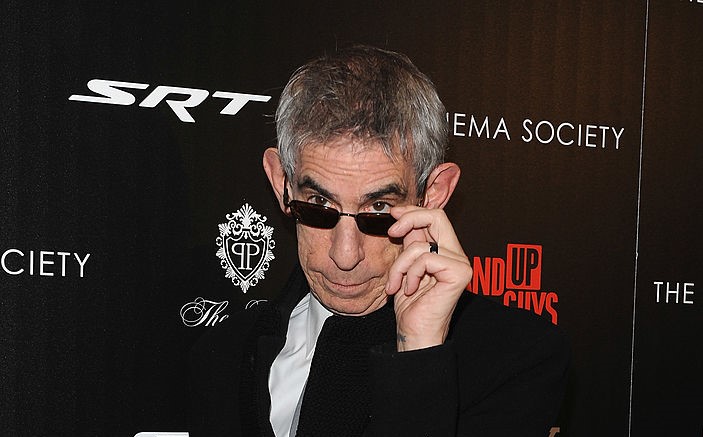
<point x="337" y="395"/>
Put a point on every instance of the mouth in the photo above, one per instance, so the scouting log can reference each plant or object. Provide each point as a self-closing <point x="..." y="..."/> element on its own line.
<point x="346" y="286"/>
<point x="350" y="296"/>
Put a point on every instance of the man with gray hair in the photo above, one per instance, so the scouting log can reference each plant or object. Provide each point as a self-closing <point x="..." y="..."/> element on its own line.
<point x="374" y="334"/>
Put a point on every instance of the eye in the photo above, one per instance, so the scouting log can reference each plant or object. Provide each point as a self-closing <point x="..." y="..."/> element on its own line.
<point x="319" y="200"/>
<point x="383" y="207"/>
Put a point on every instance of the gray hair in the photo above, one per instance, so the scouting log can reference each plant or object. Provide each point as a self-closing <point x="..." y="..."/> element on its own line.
<point x="368" y="94"/>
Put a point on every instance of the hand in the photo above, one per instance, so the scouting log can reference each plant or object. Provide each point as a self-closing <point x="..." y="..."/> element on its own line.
<point x="426" y="285"/>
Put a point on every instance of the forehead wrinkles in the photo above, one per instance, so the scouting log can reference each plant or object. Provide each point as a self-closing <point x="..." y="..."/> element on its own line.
<point x="353" y="164"/>
<point x="356" y="145"/>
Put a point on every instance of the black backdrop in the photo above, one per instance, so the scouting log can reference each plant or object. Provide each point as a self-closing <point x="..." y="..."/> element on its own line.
<point x="110" y="214"/>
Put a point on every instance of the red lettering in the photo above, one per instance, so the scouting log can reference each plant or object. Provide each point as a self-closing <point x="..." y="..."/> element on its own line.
<point x="538" y="301"/>
<point x="509" y="296"/>
<point x="535" y="301"/>
<point x="482" y="276"/>
<point x="552" y="298"/>
<point x="497" y="277"/>
<point x="524" y="265"/>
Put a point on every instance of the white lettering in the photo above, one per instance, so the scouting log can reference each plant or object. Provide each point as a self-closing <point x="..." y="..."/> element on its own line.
<point x="82" y="262"/>
<point x="43" y="262"/>
<point x="603" y="129"/>
<point x="111" y="95"/>
<point x="658" y="284"/>
<point x="551" y="130"/>
<point x="196" y="97"/>
<point x="579" y="137"/>
<point x="108" y="92"/>
<point x="687" y="292"/>
<point x="63" y="256"/>
<point x="525" y="122"/>
<point x="502" y="128"/>
<point x="673" y="289"/>
<point x="254" y="302"/>
<point x="458" y="123"/>
<point x="474" y="127"/>
<point x="590" y="135"/>
<point x="203" y="312"/>
<point x="561" y="126"/>
<point x="617" y="136"/>
<point x="238" y="100"/>
<point x="4" y="266"/>
<point x="543" y="131"/>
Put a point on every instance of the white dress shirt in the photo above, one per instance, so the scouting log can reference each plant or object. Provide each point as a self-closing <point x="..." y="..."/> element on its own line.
<point x="290" y="369"/>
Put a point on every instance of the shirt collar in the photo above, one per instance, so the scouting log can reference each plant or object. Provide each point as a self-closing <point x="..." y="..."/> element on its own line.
<point x="317" y="314"/>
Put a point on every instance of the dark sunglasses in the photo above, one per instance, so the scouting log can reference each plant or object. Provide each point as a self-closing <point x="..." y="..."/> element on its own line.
<point x="324" y="217"/>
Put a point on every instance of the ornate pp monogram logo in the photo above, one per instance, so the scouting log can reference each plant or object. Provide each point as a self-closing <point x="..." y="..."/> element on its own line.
<point x="245" y="247"/>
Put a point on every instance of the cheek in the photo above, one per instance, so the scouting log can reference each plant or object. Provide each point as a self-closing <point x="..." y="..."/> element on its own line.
<point x="313" y="244"/>
<point x="384" y="253"/>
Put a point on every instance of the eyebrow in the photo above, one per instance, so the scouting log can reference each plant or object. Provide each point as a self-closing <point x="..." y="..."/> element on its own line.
<point x="390" y="189"/>
<point x="310" y="183"/>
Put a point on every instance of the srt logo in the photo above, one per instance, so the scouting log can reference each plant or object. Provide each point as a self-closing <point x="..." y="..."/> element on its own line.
<point x="109" y="92"/>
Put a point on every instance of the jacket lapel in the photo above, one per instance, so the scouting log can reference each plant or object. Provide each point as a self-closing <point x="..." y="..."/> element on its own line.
<point x="266" y="341"/>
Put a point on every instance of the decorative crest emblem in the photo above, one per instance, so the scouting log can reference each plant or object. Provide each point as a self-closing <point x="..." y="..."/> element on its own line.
<point x="245" y="247"/>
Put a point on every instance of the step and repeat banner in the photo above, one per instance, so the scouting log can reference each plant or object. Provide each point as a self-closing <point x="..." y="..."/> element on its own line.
<point x="131" y="142"/>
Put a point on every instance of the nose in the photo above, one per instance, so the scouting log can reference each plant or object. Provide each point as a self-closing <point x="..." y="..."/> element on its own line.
<point x="347" y="248"/>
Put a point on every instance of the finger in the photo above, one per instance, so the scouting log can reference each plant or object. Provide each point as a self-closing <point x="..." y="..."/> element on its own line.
<point x="433" y="223"/>
<point x="418" y="248"/>
<point x="449" y="273"/>
<point x="408" y="257"/>
<point x="419" y="234"/>
<point x="415" y="274"/>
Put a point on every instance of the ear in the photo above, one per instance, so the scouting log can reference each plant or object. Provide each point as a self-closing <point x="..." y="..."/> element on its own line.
<point x="441" y="184"/>
<point x="274" y="171"/>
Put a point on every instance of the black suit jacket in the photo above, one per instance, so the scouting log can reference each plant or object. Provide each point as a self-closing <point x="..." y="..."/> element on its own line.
<point x="501" y="372"/>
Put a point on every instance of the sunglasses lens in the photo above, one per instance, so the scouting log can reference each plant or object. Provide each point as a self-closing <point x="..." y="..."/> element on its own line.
<point x="323" y="217"/>
<point x="374" y="223"/>
<point x="313" y="215"/>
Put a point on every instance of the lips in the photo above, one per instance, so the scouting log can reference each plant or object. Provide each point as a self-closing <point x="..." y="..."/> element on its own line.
<point x="349" y="296"/>
<point x="345" y="285"/>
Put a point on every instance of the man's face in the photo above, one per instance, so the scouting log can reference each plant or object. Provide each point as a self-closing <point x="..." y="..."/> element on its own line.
<point x="347" y="269"/>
